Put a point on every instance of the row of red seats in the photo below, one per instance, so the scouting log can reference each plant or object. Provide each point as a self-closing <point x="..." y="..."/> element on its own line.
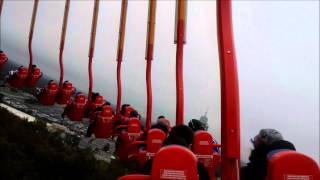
<point x="128" y="149"/>
<point x="22" y="78"/>
<point x="176" y="162"/>
<point x="52" y="94"/>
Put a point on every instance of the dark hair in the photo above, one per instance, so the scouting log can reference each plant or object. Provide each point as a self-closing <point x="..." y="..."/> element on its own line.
<point x="173" y="140"/>
<point x="195" y="125"/>
<point x="182" y="131"/>
<point x="160" y="126"/>
<point x="134" y="114"/>
<point x="161" y="117"/>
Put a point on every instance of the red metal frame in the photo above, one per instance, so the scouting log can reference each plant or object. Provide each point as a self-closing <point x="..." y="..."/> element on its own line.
<point x="181" y="8"/>
<point x="149" y="57"/>
<point x="120" y="52"/>
<point x="230" y="110"/>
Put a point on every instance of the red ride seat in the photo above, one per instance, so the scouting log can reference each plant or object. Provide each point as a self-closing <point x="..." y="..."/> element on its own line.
<point x="33" y="78"/>
<point x="153" y="143"/>
<point x="3" y="58"/>
<point x="17" y="78"/>
<point x="128" y="134"/>
<point x="126" y="114"/>
<point x="75" y="109"/>
<point x="65" y="93"/>
<point x="203" y="148"/>
<point x="292" y="165"/>
<point x="47" y="95"/>
<point x="104" y="121"/>
<point x="174" y="162"/>
<point x="92" y="105"/>
<point x="170" y="163"/>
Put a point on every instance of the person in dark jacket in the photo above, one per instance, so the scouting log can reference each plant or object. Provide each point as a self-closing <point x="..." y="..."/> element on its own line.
<point x="266" y="141"/>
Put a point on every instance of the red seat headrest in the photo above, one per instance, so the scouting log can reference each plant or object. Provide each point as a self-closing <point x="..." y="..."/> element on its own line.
<point x="290" y="165"/>
<point x="202" y="143"/>
<point x="134" y="125"/>
<point x="106" y="111"/>
<point x="36" y="71"/>
<point x="22" y="70"/>
<point x="128" y="110"/>
<point x="80" y="98"/>
<point x="67" y="85"/>
<point x="52" y="85"/>
<point x="98" y="100"/>
<point x="174" y="162"/>
<point x="154" y="140"/>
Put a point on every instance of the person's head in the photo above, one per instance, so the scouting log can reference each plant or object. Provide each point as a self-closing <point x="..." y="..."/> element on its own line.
<point x="173" y="140"/>
<point x="196" y="125"/>
<point x="266" y="137"/>
<point x="94" y="95"/>
<point x="134" y="114"/>
<point x="164" y="120"/>
<point x="182" y="131"/>
<point x="161" y="126"/>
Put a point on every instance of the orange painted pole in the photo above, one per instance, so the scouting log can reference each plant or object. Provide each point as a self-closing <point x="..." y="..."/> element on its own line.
<point x="230" y="107"/>
<point x="180" y="40"/>
<point x="62" y="40"/>
<point x="33" y="21"/>
<point x="122" y="29"/>
<point x="92" y="44"/>
<point x="149" y="57"/>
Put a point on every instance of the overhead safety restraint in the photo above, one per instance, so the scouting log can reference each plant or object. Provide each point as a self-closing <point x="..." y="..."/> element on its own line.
<point x="66" y="90"/>
<point x="34" y="73"/>
<point x="149" y="57"/>
<point x="122" y="30"/>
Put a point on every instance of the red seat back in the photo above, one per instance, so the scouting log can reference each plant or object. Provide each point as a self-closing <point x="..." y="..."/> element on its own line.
<point x="105" y="119"/>
<point x="33" y="78"/>
<point x="80" y="99"/>
<point x="106" y="111"/>
<point x="17" y="79"/>
<point x="77" y="108"/>
<point x="65" y="93"/>
<point x="127" y="111"/>
<point x="292" y="165"/>
<point x="202" y="143"/>
<point x="203" y="148"/>
<point x="154" y="140"/>
<point x="174" y="162"/>
<point x="22" y="72"/>
<point x="134" y="126"/>
<point x="47" y="96"/>
<point x="98" y="100"/>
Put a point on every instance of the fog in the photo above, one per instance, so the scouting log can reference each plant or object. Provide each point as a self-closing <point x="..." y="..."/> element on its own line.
<point x="277" y="46"/>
